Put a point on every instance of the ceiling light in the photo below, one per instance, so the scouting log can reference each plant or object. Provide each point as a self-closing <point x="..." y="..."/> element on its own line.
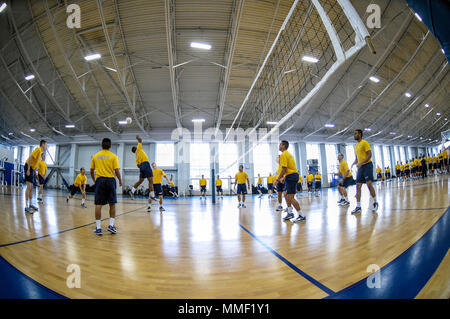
<point x="271" y="122"/>
<point x="32" y="130"/>
<point x="311" y="59"/>
<point x="443" y="51"/>
<point x="29" y="77"/>
<point x="3" y="7"/>
<point x="94" y="56"/>
<point x="438" y="114"/>
<point x="407" y="94"/>
<point x="198" y="120"/>
<point x="367" y="129"/>
<point x="199" y="45"/>
<point x="124" y="122"/>
<point x="429" y="139"/>
<point x="10" y="133"/>
<point x="70" y="126"/>
<point x="421" y="138"/>
<point x="418" y="16"/>
<point x="427" y="105"/>
<point x="374" y="79"/>
<point x="329" y="125"/>
<point x="409" y="136"/>
<point x="392" y="133"/>
<point x="445" y="119"/>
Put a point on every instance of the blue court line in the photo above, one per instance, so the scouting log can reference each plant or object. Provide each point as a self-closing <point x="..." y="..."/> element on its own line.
<point x="66" y="230"/>
<point x="17" y="285"/>
<point x="405" y="276"/>
<point x="291" y="265"/>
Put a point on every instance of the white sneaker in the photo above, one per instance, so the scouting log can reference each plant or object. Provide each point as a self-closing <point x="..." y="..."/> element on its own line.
<point x="239" y="206"/>
<point x="279" y="208"/>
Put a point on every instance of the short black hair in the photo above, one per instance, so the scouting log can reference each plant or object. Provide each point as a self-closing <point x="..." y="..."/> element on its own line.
<point x="286" y="144"/>
<point x="42" y="142"/>
<point x="241" y="166"/>
<point x="81" y="169"/>
<point x="106" y="143"/>
<point x="359" y="131"/>
<point x="133" y="149"/>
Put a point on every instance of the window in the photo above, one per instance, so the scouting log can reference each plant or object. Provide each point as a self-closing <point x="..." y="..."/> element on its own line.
<point x="313" y="152"/>
<point x="50" y="154"/>
<point x="262" y="161"/>
<point x="165" y="154"/>
<point x="377" y="151"/>
<point x="402" y="154"/>
<point x="16" y="151"/>
<point x="25" y="154"/>
<point x="332" y="162"/>
<point x="396" y="154"/>
<point x="350" y="156"/>
<point x="228" y="155"/>
<point x="387" y="158"/>
<point x="200" y="163"/>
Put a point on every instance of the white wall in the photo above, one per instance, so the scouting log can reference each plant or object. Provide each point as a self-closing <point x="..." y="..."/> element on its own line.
<point x="6" y="152"/>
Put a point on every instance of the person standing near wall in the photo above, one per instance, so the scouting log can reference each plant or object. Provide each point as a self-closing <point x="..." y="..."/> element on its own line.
<point x="30" y="175"/>
<point x="41" y="171"/>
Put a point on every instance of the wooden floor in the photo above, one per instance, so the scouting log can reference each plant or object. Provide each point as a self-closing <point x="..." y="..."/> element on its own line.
<point x="200" y="250"/>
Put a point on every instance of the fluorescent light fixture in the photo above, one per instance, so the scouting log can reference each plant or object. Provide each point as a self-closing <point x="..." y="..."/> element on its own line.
<point x="438" y="114"/>
<point x="70" y="126"/>
<point x="199" y="45"/>
<point x="32" y="130"/>
<point x="392" y="133"/>
<point x="409" y="136"/>
<point x="29" y="77"/>
<point x="290" y="71"/>
<point x="427" y="105"/>
<point x="3" y="7"/>
<point x="124" y="122"/>
<point x="198" y="120"/>
<point x="271" y="122"/>
<point x="111" y="69"/>
<point x="429" y="139"/>
<point x="367" y="129"/>
<point x="418" y="16"/>
<point x="421" y="138"/>
<point x="446" y="119"/>
<point x="10" y="133"/>
<point x="407" y="94"/>
<point x="329" y="125"/>
<point x="311" y="59"/>
<point x="374" y="79"/>
<point x="94" y="56"/>
<point x="443" y="51"/>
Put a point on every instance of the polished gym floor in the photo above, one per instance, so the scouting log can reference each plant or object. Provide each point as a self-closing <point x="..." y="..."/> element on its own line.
<point x="199" y="250"/>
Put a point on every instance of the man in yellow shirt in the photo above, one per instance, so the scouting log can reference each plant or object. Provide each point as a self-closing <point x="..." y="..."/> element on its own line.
<point x="79" y="185"/>
<point x="388" y="173"/>
<point x="30" y="175"/>
<point x="440" y="162"/>
<point x="240" y="179"/>
<point x="270" y="185"/>
<point x="407" y="170"/>
<point x="203" y="183"/>
<point x="290" y="174"/>
<point x="318" y="183"/>
<point x="299" y="185"/>
<point x="402" y="171"/>
<point x="430" y="163"/>
<point x="172" y="188"/>
<point x="219" y="189"/>
<point x="397" y="170"/>
<point x="435" y="164"/>
<point x="446" y="154"/>
<point x="145" y="171"/>
<point x="365" y="171"/>
<point x="378" y="170"/>
<point x="259" y="186"/>
<point x="309" y="180"/>
<point x="158" y="174"/>
<point x="42" y="170"/>
<point x="345" y="181"/>
<point x="104" y="165"/>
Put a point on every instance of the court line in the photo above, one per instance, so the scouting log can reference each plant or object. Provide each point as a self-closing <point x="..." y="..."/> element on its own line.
<point x="66" y="230"/>
<point x="406" y="275"/>
<point x="291" y="265"/>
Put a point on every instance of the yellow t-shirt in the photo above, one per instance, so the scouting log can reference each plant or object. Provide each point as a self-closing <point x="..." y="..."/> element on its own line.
<point x="388" y="170"/>
<point x="172" y="184"/>
<point x="402" y="168"/>
<point x="104" y="163"/>
<point x="218" y="182"/>
<point x="343" y="168"/>
<point x="429" y="160"/>
<point x="288" y="161"/>
<point x="35" y="157"/>
<point x="80" y="180"/>
<point x="441" y="156"/>
<point x="378" y="170"/>
<point x="278" y="170"/>
<point x="318" y="177"/>
<point x="259" y="180"/>
<point x="361" y="150"/>
<point x="406" y="166"/>
<point x="42" y="168"/>
<point x="241" y="177"/>
<point x="309" y="178"/>
<point x="157" y="175"/>
<point x="269" y="179"/>
<point x="202" y="182"/>
<point x="300" y="178"/>
<point x="140" y="155"/>
<point x="434" y="159"/>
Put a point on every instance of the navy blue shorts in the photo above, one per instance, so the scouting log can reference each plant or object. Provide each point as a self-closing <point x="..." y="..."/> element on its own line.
<point x="74" y="189"/>
<point x="291" y="182"/>
<point x="406" y="172"/>
<point x="219" y="189"/>
<point x="242" y="189"/>
<point x="259" y="187"/>
<point x="32" y="178"/>
<point x="309" y="184"/>
<point x="318" y="184"/>
<point x="41" y="180"/>
<point x="280" y="187"/>
<point x="270" y="186"/>
<point x="158" y="189"/>
<point x="203" y="188"/>
<point x="348" y="181"/>
<point x="365" y="173"/>
<point x="105" y="191"/>
<point x="378" y="175"/>
<point x="145" y="171"/>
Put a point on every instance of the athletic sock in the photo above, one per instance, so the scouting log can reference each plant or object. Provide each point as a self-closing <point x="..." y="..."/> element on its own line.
<point x="111" y="221"/>
<point x="374" y="199"/>
<point x="345" y="197"/>
<point x="98" y="224"/>
<point x="152" y="194"/>
<point x="82" y="201"/>
<point x="133" y="190"/>
<point x="299" y="213"/>
<point x="358" y="204"/>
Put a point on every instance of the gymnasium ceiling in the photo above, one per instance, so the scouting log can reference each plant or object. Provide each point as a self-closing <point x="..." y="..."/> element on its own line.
<point x="149" y="72"/>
